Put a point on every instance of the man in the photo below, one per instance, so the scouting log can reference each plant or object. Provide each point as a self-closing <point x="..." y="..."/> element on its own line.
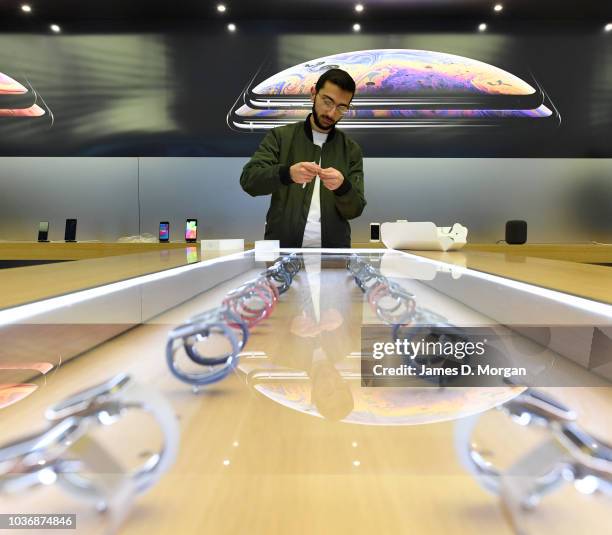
<point x="313" y="171"/>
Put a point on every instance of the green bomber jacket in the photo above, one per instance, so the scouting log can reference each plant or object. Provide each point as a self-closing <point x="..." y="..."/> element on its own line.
<point x="267" y="173"/>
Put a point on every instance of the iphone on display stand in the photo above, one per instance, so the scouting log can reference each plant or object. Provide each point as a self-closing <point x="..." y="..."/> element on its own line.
<point x="70" y="232"/>
<point x="43" y="231"/>
<point x="164" y="231"/>
<point x="191" y="230"/>
<point x="375" y="232"/>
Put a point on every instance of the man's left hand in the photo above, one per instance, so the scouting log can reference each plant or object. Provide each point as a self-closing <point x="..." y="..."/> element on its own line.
<point x="331" y="178"/>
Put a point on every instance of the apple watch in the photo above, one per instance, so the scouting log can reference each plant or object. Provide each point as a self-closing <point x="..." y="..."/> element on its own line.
<point x="210" y="320"/>
<point x="570" y="453"/>
<point x="57" y="454"/>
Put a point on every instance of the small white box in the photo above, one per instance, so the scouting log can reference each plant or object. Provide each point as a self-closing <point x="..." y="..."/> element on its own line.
<point x="267" y="250"/>
<point x="223" y="245"/>
<point x="267" y="245"/>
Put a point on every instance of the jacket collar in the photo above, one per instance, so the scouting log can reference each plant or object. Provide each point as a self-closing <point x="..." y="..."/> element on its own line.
<point x="308" y="130"/>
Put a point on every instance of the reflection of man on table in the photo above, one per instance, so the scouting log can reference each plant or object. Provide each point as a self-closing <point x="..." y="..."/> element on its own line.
<point x="313" y="171"/>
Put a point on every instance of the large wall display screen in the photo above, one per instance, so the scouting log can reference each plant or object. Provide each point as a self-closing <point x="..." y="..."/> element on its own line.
<point x="190" y="93"/>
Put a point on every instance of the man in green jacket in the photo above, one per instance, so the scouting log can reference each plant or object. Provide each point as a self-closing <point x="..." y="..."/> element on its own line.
<point x="313" y="171"/>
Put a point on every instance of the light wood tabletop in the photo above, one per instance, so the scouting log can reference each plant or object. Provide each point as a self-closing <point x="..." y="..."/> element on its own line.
<point x="32" y="283"/>
<point x="583" y="280"/>
<point x="60" y="250"/>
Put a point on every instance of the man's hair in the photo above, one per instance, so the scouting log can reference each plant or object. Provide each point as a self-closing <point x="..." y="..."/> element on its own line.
<point x="338" y="77"/>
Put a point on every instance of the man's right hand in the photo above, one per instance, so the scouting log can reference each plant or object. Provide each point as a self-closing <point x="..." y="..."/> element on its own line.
<point x="304" y="172"/>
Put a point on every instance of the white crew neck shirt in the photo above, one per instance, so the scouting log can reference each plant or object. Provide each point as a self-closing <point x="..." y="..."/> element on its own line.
<point x="312" y="231"/>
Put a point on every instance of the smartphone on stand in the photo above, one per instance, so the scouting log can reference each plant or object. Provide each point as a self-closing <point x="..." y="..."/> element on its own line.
<point x="191" y="230"/>
<point x="374" y="232"/>
<point x="70" y="231"/>
<point x="43" y="231"/>
<point x="164" y="231"/>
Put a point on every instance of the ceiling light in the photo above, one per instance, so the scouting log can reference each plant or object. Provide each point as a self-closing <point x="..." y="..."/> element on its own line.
<point x="497" y="8"/>
<point x="482" y="27"/>
<point x="26" y="8"/>
<point x="359" y="8"/>
<point x="221" y="8"/>
<point x="608" y="27"/>
<point x="55" y="28"/>
<point x="231" y="27"/>
<point x="356" y="27"/>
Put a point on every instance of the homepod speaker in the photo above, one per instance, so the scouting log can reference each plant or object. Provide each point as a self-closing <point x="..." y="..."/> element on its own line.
<point x="516" y="232"/>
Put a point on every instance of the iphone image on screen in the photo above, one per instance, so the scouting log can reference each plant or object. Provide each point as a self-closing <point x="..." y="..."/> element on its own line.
<point x="191" y="230"/>
<point x="15" y="95"/>
<point x="245" y="118"/>
<point x="17" y="113"/>
<point x="21" y="105"/>
<point x="401" y="77"/>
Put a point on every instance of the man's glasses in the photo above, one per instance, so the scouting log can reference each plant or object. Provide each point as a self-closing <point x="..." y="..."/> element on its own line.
<point x="329" y="104"/>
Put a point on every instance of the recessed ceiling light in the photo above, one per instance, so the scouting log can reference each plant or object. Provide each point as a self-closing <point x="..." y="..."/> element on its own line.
<point x="498" y="7"/>
<point x="359" y="8"/>
<point x="356" y="27"/>
<point x="26" y="8"/>
<point x="608" y="27"/>
<point x="221" y="8"/>
<point x="55" y="28"/>
<point x="482" y="27"/>
<point x="231" y="27"/>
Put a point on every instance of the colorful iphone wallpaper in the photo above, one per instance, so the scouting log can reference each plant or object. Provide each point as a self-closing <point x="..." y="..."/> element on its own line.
<point x="424" y="77"/>
<point x="164" y="231"/>
<point x="191" y="229"/>
<point x="399" y="88"/>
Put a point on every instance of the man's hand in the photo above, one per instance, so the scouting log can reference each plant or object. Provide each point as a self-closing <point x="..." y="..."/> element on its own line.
<point x="331" y="178"/>
<point x="304" y="172"/>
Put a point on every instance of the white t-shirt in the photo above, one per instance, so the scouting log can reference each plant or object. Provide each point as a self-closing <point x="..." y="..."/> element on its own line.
<point x="312" y="231"/>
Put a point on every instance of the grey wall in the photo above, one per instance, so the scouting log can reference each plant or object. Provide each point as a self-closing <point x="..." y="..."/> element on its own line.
<point x="562" y="199"/>
<point x="102" y="193"/>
